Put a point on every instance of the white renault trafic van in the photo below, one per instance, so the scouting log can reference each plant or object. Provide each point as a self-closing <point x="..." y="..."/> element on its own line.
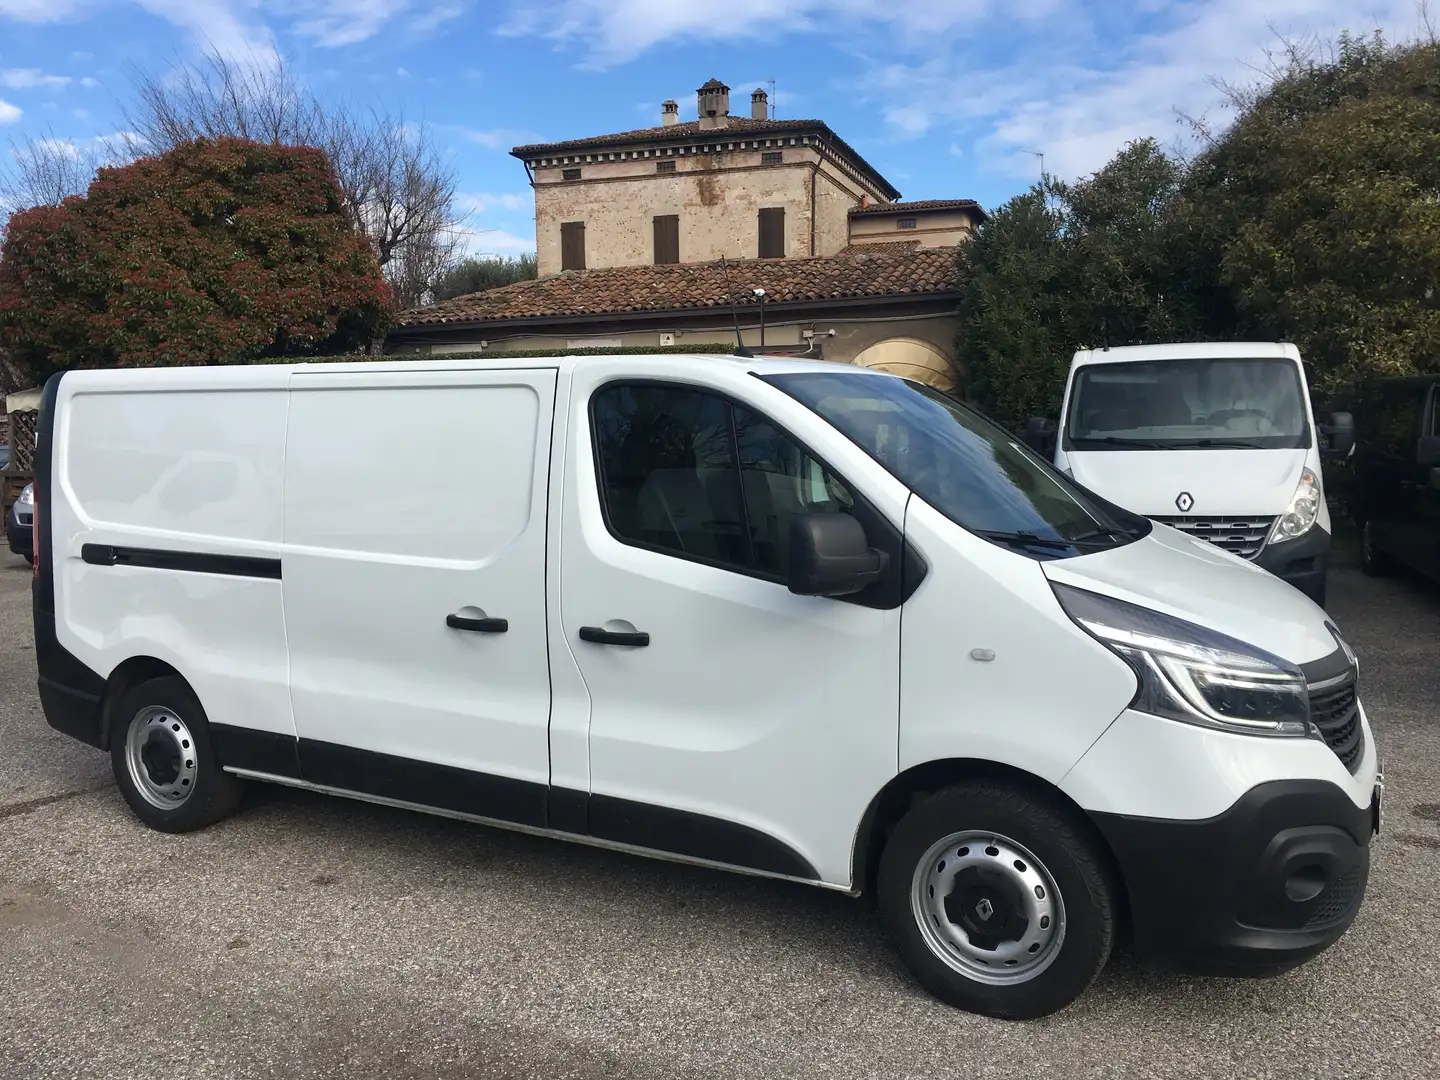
<point x="798" y="620"/>
<point x="1215" y="439"/>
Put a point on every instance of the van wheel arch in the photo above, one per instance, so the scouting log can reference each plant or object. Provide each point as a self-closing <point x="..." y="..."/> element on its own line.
<point x="910" y="787"/>
<point x="129" y="673"/>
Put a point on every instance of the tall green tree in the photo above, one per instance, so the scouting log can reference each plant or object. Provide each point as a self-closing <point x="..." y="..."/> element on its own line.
<point x="218" y="251"/>
<point x="487" y="272"/>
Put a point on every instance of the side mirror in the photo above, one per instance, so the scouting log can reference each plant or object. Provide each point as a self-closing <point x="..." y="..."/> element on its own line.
<point x="1427" y="450"/>
<point x="830" y="556"/>
<point x="1040" y="435"/>
<point x="1338" y="436"/>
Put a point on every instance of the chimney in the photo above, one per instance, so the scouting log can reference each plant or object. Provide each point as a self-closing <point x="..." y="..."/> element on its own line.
<point x="713" y="100"/>
<point x="669" y="112"/>
<point x="759" y="105"/>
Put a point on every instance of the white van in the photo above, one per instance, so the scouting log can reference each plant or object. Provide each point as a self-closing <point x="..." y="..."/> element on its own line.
<point x="805" y="621"/>
<point x="1213" y="438"/>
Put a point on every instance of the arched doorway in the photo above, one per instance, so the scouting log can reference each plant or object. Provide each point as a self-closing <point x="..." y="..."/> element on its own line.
<point x="911" y="358"/>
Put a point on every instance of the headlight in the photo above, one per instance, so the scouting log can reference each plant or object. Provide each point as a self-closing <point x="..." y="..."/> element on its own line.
<point x="27" y="495"/>
<point x="1303" y="510"/>
<point x="1195" y="675"/>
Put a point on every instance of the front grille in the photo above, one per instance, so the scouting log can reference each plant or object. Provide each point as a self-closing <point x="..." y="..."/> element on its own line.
<point x="1335" y="711"/>
<point x="1338" y="898"/>
<point x="1238" y="534"/>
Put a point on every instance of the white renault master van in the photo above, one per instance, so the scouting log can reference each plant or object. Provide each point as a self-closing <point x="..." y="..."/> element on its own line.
<point x="1215" y="439"/>
<point x="805" y="621"/>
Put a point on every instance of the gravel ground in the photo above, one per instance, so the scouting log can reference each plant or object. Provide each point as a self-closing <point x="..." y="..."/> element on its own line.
<point x="315" y="937"/>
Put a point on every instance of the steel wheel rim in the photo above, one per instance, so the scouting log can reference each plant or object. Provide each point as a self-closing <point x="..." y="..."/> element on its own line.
<point x="160" y="757"/>
<point x="988" y="908"/>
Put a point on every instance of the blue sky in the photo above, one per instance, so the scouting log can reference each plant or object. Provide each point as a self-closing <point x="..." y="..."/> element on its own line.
<point x="947" y="98"/>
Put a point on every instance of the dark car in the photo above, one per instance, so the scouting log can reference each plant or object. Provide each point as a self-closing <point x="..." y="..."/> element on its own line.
<point x="1397" y="464"/>
<point x="20" y="522"/>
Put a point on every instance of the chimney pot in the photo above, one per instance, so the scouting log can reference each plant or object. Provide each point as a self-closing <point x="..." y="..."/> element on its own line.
<point x="669" y="113"/>
<point x="713" y="100"/>
<point x="759" y="105"/>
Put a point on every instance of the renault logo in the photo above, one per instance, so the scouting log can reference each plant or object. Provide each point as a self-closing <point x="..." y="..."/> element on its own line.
<point x="985" y="909"/>
<point x="1184" y="501"/>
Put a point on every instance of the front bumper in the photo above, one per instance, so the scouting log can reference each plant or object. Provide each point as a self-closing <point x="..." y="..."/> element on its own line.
<point x="17" y="532"/>
<point x="1302" y="561"/>
<point x="1266" y="885"/>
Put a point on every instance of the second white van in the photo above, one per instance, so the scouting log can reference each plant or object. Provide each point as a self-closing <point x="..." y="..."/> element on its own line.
<point x="804" y="621"/>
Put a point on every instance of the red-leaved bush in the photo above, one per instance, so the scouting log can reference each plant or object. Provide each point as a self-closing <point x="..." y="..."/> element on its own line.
<point x="215" y="252"/>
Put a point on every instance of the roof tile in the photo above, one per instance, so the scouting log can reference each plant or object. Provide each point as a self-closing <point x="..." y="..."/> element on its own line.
<point x="856" y="273"/>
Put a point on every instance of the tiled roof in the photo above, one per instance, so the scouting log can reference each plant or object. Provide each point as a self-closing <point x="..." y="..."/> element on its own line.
<point x="691" y="130"/>
<point x="695" y="286"/>
<point x="882" y="247"/>
<point x="918" y="204"/>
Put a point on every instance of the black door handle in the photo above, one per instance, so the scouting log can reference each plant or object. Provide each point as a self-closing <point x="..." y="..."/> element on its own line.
<point x="598" y="635"/>
<point x="479" y="626"/>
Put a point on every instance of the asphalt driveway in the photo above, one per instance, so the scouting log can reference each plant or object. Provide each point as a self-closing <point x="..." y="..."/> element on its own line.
<point x="316" y="937"/>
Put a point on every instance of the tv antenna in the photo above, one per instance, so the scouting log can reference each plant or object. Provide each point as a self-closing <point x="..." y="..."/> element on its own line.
<point x="1041" y="155"/>
<point x="771" y="84"/>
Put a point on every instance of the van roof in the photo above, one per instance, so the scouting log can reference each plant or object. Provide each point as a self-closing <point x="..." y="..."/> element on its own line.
<point x="1188" y="350"/>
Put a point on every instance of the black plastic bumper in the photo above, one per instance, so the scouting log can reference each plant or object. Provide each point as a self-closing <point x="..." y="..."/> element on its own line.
<point x="1301" y="562"/>
<point x="17" y="534"/>
<point x="1267" y="885"/>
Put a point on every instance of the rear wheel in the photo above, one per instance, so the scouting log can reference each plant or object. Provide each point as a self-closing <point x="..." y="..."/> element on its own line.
<point x="998" y="901"/>
<point x="163" y="760"/>
<point x="1373" y="561"/>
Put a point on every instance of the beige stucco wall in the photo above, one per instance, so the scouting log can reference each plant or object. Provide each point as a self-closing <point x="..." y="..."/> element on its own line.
<point x="933" y="228"/>
<point x="851" y="339"/>
<point x="716" y="196"/>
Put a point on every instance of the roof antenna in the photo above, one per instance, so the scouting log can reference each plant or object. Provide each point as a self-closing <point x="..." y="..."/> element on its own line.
<point x="740" y="349"/>
<point x="772" y="98"/>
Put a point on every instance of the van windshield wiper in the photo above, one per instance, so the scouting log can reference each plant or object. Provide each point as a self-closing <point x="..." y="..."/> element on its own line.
<point x="1116" y="440"/>
<point x="1029" y="539"/>
<point x="1224" y="444"/>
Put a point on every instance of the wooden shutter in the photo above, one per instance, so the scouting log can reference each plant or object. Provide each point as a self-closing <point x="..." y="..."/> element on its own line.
<point x="572" y="245"/>
<point x="772" y="232"/>
<point x="667" y="238"/>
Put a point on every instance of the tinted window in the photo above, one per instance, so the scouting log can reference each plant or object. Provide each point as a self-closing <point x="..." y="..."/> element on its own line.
<point x="1172" y="404"/>
<point x="967" y="468"/>
<point x="780" y="480"/>
<point x="667" y="470"/>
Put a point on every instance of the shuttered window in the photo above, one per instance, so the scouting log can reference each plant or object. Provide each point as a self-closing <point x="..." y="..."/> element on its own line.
<point x="667" y="238"/>
<point x="569" y="174"/>
<point x="772" y="232"/>
<point x="572" y="245"/>
<point x="772" y="157"/>
<point x="664" y="166"/>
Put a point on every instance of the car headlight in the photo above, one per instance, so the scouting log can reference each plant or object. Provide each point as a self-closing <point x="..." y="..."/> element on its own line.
<point x="27" y="495"/>
<point x="1195" y="675"/>
<point x="1303" y="510"/>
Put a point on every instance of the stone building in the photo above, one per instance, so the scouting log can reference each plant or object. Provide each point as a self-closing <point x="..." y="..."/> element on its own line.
<point x="631" y="228"/>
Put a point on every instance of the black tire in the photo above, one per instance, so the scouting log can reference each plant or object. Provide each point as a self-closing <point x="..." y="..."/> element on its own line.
<point x="1373" y="561"/>
<point x="178" y="742"/>
<point x="1064" y="850"/>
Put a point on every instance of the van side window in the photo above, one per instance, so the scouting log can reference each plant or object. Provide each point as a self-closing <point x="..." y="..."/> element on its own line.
<point x="667" y="460"/>
<point x="780" y="480"/>
<point x="667" y="473"/>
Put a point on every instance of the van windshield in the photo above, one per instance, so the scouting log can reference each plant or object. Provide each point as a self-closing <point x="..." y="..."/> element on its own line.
<point x="963" y="465"/>
<point x="1199" y="404"/>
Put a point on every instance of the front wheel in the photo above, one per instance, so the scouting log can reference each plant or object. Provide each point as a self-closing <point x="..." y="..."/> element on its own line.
<point x="998" y="902"/>
<point x="163" y="760"/>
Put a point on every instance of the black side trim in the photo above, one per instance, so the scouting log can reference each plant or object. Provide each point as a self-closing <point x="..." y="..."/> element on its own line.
<point x="192" y="561"/>
<point x="260" y="751"/>
<point x="441" y="786"/>
<point x="70" y="692"/>
<point x="696" y="835"/>
<point x="569" y="811"/>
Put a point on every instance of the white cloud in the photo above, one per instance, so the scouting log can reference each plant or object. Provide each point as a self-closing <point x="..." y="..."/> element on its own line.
<point x="956" y="150"/>
<point x="401" y="73"/>
<point x="89" y="83"/>
<point x="498" y="138"/>
<point x="495" y="242"/>
<point x="430" y="21"/>
<point x="476" y="203"/>
<point x="38" y="11"/>
<point x="31" y="79"/>
<point x="9" y="113"/>
<point x="215" y="24"/>
<point x="333" y="23"/>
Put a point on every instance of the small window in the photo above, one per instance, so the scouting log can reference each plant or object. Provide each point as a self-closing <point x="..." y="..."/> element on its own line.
<point x="905" y="223"/>
<point x="772" y="232"/>
<point x="772" y="157"/>
<point x="667" y="239"/>
<point x="572" y="245"/>
<point x="668" y="459"/>
<point x="569" y="174"/>
<point x="665" y="166"/>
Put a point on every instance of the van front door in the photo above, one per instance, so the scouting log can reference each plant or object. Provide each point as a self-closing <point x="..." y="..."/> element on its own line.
<point x="729" y="719"/>
<point x="414" y="585"/>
